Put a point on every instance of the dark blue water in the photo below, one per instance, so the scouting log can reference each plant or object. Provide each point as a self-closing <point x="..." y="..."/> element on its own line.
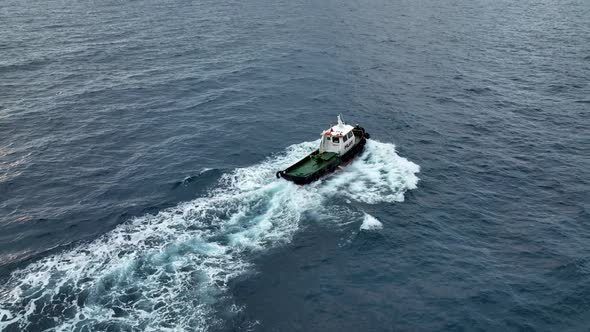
<point x="139" y="141"/>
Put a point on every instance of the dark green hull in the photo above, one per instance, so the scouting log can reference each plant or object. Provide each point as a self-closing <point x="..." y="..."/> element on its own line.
<point x="317" y="164"/>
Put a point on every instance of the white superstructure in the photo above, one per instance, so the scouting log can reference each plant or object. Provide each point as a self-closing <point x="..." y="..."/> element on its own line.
<point x="338" y="139"/>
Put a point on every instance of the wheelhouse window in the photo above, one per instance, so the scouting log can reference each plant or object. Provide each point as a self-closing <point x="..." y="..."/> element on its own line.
<point x="349" y="135"/>
<point x="335" y="140"/>
<point x="344" y="139"/>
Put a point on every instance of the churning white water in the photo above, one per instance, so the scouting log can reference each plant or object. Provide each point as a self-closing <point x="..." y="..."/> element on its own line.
<point x="167" y="271"/>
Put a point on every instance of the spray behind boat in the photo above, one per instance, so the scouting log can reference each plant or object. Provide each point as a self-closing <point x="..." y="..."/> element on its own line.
<point x="338" y="145"/>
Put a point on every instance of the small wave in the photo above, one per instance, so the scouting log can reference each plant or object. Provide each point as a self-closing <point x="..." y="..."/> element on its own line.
<point x="192" y="178"/>
<point x="479" y="90"/>
<point x="370" y="223"/>
<point x="170" y="271"/>
<point x="11" y="163"/>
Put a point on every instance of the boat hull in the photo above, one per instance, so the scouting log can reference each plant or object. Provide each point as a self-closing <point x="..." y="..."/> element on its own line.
<point x="316" y="165"/>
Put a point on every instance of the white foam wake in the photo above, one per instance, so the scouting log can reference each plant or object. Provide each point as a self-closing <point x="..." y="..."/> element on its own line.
<point x="168" y="271"/>
<point x="378" y="175"/>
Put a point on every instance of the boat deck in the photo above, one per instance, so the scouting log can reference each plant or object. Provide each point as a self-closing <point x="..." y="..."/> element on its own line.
<point x="311" y="164"/>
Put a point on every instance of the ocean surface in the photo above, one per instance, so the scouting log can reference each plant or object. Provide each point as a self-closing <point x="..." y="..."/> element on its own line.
<point x="139" y="142"/>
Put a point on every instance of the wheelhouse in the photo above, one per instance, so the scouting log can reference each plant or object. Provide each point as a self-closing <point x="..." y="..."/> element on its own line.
<point x="338" y="139"/>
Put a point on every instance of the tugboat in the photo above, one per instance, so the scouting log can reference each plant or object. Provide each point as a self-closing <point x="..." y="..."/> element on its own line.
<point x="338" y="145"/>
